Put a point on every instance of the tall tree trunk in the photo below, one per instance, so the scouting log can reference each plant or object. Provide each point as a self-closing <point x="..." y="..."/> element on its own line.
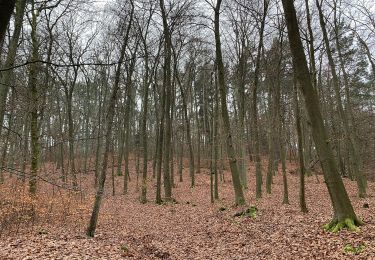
<point x="215" y="132"/>
<point x="167" y="85"/>
<point x="127" y="116"/>
<point x="181" y="156"/>
<point x="34" y="128"/>
<point x="100" y="130"/>
<point x="108" y="132"/>
<point x="143" y="197"/>
<point x="241" y="78"/>
<point x="87" y="127"/>
<point x="258" y="162"/>
<point x="344" y="215"/>
<point x="71" y="137"/>
<point x="302" y="201"/>
<point x="239" y="196"/>
<point x="351" y="142"/>
<point x="311" y="45"/>
<point x="187" y="125"/>
<point x="283" y="165"/>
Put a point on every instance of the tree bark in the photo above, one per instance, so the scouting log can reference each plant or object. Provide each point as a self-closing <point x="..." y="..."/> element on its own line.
<point x="239" y="196"/>
<point x="258" y="162"/>
<point x="167" y="85"/>
<point x="34" y="128"/>
<point x="6" y="10"/>
<point x="108" y="133"/>
<point x="302" y="201"/>
<point x="344" y="215"/>
<point x="360" y="178"/>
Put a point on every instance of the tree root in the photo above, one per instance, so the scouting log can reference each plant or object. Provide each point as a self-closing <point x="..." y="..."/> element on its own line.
<point x="348" y="223"/>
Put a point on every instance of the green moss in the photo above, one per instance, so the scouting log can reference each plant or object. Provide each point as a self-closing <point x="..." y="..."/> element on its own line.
<point x="348" y="223"/>
<point x="124" y="248"/>
<point x="249" y="212"/>
<point x="354" y="249"/>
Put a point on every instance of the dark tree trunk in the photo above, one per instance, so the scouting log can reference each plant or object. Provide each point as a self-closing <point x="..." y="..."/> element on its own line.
<point x="239" y="196"/>
<point x="6" y="10"/>
<point x="344" y="215"/>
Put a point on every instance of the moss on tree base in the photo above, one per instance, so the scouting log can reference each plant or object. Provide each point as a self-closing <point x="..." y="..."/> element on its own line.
<point x="348" y="223"/>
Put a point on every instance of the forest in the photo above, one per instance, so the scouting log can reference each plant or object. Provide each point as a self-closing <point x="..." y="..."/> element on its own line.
<point x="187" y="129"/>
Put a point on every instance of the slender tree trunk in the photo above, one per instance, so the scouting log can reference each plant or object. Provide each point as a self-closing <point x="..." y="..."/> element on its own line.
<point x="25" y="147"/>
<point x="311" y="45"/>
<point x="181" y="156"/>
<point x="127" y="117"/>
<point x="167" y="85"/>
<point x="283" y="166"/>
<point x="108" y="133"/>
<point x="239" y="196"/>
<point x="87" y="127"/>
<point x="258" y="162"/>
<point x="99" y="134"/>
<point x="71" y="137"/>
<point x="187" y="125"/>
<point x="302" y="201"/>
<point x="241" y="78"/>
<point x="34" y="129"/>
<point x="143" y="198"/>
<point x="216" y="127"/>
<point x="361" y="180"/>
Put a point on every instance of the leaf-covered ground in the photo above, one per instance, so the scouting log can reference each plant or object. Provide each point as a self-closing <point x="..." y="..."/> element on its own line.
<point x="52" y="226"/>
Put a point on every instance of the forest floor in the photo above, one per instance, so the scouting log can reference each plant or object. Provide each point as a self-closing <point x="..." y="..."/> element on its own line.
<point x="52" y="226"/>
